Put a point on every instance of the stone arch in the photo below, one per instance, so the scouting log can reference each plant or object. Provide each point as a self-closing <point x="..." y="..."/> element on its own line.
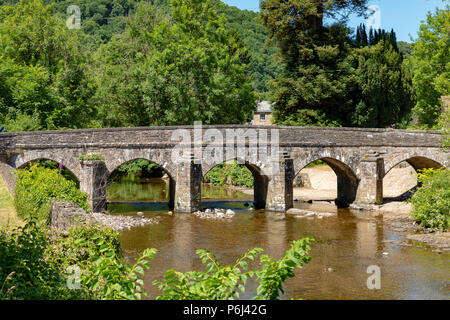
<point x="172" y="178"/>
<point x="74" y="169"/>
<point x="114" y="161"/>
<point x="166" y="170"/>
<point x="260" y="180"/>
<point x="259" y="167"/>
<point x="414" y="160"/>
<point x="347" y="180"/>
<point x="417" y="163"/>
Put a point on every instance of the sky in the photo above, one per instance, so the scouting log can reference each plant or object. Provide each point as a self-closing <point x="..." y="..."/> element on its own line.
<point x="404" y="16"/>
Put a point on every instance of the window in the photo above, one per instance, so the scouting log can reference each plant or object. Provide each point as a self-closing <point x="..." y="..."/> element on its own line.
<point x="262" y="117"/>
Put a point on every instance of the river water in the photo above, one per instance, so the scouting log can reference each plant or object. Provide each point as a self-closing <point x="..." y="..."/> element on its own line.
<point x="345" y="245"/>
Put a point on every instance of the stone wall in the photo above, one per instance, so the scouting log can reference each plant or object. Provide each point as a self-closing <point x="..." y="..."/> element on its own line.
<point x="64" y="215"/>
<point x="8" y="176"/>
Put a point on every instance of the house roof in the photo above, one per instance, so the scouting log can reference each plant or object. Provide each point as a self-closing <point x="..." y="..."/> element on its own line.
<point x="264" y="106"/>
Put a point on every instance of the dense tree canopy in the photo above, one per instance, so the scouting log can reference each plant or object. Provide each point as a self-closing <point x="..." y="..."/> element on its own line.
<point x="161" y="62"/>
<point x="430" y="64"/>
<point x="174" y="69"/>
<point x="329" y="77"/>
<point x="383" y="96"/>
<point x="43" y="78"/>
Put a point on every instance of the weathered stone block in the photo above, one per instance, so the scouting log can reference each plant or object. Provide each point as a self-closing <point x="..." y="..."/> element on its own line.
<point x="94" y="181"/>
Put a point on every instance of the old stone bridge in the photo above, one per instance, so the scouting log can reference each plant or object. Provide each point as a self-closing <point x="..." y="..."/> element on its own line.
<point x="359" y="157"/>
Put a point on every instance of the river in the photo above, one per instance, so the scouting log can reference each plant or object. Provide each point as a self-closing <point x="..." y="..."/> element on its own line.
<point x="346" y="245"/>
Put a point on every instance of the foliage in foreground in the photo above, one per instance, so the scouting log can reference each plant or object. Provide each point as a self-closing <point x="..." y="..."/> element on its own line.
<point x="221" y="282"/>
<point x="38" y="186"/>
<point x="431" y="202"/>
<point x="34" y="264"/>
<point x="37" y="264"/>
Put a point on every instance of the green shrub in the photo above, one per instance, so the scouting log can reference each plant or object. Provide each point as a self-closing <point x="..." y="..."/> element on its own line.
<point x="226" y="282"/>
<point x="431" y="202"/>
<point x="34" y="264"/>
<point x="50" y="164"/>
<point x="91" y="157"/>
<point x="104" y="274"/>
<point x="37" y="186"/>
<point x="238" y="175"/>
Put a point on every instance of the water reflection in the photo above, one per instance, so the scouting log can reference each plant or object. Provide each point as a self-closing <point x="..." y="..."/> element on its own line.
<point x="346" y="245"/>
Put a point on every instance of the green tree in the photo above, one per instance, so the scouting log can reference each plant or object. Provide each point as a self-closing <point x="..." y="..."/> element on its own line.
<point x="430" y="64"/>
<point x="404" y="47"/>
<point x="175" y="70"/>
<point x="383" y="95"/>
<point x="57" y="89"/>
<point x="314" y="85"/>
<point x="24" y="94"/>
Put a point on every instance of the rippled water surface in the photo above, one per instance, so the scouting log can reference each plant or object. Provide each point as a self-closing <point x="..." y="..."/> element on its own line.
<point x="346" y="245"/>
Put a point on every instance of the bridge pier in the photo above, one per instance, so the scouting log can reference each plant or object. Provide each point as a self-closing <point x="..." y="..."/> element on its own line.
<point x="370" y="189"/>
<point x="280" y="191"/>
<point x="347" y="187"/>
<point x="188" y="183"/>
<point x="93" y="182"/>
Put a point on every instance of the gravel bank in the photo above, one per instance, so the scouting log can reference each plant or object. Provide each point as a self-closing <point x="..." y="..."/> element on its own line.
<point x="121" y="223"/>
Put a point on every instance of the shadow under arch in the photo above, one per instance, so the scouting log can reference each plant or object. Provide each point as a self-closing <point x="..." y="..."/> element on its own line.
<point x="260" y="181"/>
<point x="417" y="163"/>
<point x="347" y="181"/>
<point x="171" y="179"/>
<point x="71" y="173"/>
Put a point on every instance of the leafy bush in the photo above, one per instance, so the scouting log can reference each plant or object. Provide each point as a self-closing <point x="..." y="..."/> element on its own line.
<point x="91" y="157"/>
<point x="50" y="164"/>
<point x="33" y="265"/>
<point x="226" y="282"/>
<point x="230" y="173"/>
<point x="431" y="202"/>
<point x="104" y="272"/>
<point x="37" y="186"/>
<point x="24" y="271"/>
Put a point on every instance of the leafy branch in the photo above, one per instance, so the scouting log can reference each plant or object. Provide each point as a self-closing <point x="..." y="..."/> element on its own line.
<point x="221" y="282"/>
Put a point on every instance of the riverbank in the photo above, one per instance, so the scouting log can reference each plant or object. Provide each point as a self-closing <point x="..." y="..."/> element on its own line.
<point x="8" y="214"/>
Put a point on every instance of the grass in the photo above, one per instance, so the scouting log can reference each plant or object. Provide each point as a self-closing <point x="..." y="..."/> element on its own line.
<point x="8" y="214"/>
